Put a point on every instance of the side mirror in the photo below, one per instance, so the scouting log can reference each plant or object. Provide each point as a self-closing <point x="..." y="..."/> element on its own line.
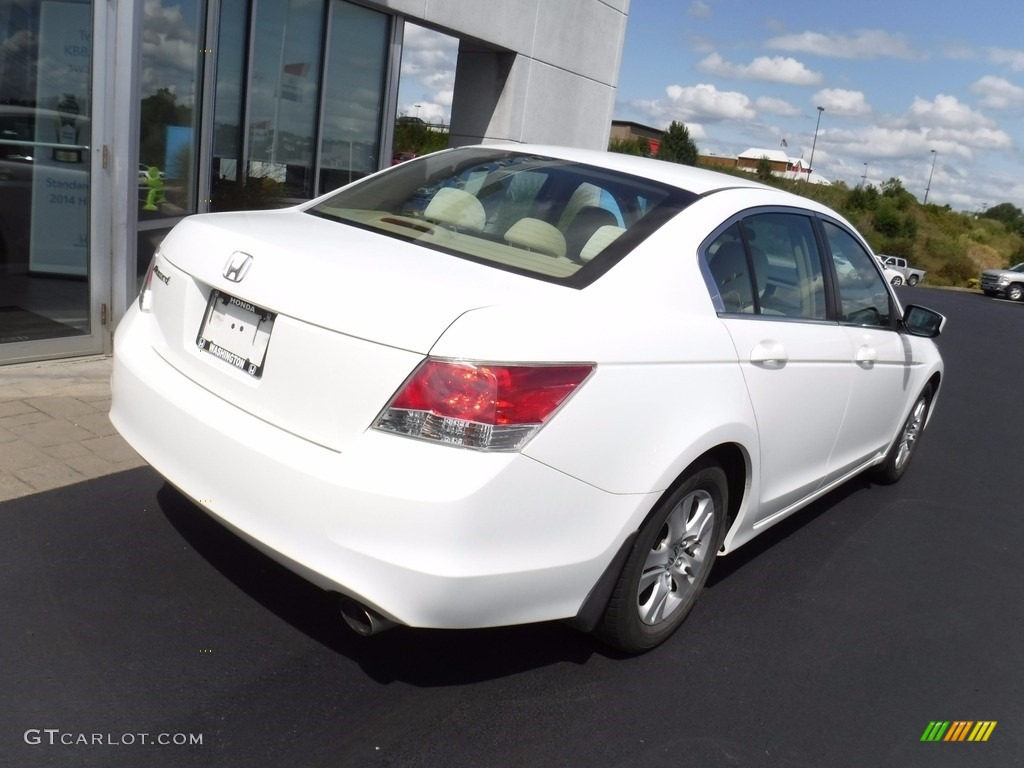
<point x="921" y="321"/>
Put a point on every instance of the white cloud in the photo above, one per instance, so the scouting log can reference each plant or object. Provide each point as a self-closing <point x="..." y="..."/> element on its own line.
<point x="168" y="51"/>
<point x="428" y="74"/>
<point x="903" y="142"/>
<point x="161" y="22"/>
<point x="700" y="10"/>
<point x="770" y="69"/>
<point x="865" y="44"/>
<point x="705" y="103"/>
<point x="972" y="138"/>
<point x="843" y="103"/>
<point x="1014" y="59"/>
<point x="775" y="106"/>
<point x="998" y="93"/>
<point x="945" y="111"/>
<point x="694" y="106"/>
<point x="876" y="142"/>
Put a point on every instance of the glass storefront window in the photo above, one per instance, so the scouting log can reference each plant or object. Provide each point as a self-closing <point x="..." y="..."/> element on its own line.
<point x="353" y="94"/>
<point x="228" y="183"/>
<point x="172" y="38"/>
<point x="170" y="83"/>
<point x="283" y="95"/>
<point x="45" y="133"/>
<point x="292" y="121"/>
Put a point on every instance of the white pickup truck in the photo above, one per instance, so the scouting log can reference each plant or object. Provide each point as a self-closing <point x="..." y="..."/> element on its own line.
<point x="911" y="276"/>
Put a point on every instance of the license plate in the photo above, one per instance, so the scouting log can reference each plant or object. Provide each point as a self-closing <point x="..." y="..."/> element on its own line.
<point x="236" y="332"/>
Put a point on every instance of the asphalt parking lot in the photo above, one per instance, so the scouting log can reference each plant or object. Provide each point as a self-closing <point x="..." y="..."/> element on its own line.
<point x="833" y="640"/>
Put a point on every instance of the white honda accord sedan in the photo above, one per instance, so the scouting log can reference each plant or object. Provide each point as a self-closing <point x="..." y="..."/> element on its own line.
<point x="509" y="383"/>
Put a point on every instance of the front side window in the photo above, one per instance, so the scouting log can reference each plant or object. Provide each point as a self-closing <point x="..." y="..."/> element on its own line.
<point x="863" y="296"/>
<point x="768" y="264"/>
<point x="544" y="217"/>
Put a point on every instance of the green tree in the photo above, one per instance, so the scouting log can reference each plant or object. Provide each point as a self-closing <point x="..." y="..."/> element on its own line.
<point x="1009" y="214"/>
<point x="677" y="146"/>
<point x="892" y="188"/>
<point x="156" y="113"/>
<point x="764" y="168"/>
<point x="638" y="147"/>
<point x="888" y="221"/>
<point x="862" y="198"/>
<point x="413" y="135"/>
<point x="895" y="190"/>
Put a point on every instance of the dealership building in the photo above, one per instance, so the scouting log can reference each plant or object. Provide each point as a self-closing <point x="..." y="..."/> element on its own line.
<point x="118" y="119"/>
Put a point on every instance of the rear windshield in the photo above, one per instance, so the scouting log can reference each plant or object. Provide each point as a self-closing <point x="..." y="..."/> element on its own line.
<point x="539" y="216"/>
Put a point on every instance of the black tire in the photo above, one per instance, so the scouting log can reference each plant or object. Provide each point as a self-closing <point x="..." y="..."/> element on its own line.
<point x="903" y="450"/>
<point x="913" y="280"/>
<point x="1015" y="292"/>
<point x="897" y="281"/>
<point x="670" y="561"/>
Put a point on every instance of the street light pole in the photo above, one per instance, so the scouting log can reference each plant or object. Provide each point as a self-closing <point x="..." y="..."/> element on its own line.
<point x="864" y="178"/>
<point x="810" y="165"/>
<point x="928" y="188"/>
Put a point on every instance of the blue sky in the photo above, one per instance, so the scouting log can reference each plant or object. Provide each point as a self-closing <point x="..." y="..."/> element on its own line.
<point x="897" y="80"/>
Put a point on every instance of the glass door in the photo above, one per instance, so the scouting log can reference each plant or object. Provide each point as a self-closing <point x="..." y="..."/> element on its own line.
<point x="49" y="299"/>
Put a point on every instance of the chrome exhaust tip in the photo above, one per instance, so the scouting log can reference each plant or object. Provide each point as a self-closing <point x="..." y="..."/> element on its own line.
<point x="362" y="620"/>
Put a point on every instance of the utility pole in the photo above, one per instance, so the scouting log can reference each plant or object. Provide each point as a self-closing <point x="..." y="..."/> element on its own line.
<point x="810" y="165"/>
<point x="928" y="188"/>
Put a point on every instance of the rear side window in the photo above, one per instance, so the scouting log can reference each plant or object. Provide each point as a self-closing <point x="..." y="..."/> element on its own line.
<point x="544" y="217"/>
<point x="768" y="264"/>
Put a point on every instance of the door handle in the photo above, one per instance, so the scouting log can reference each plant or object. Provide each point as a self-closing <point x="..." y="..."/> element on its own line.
<point x="769" y="354"/>
<point x="867" y="356"/>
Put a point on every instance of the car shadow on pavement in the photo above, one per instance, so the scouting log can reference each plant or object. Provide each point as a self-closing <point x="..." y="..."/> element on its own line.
<point x="432" y="658"/>
<point x="425" y="658"/>
<point x="791" y="527"/>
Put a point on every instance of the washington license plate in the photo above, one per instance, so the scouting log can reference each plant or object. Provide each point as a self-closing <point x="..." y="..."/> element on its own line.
<point x="236" y="332"/>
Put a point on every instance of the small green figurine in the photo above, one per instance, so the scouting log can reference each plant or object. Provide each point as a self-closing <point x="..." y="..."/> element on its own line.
<point x="156" y="189"/>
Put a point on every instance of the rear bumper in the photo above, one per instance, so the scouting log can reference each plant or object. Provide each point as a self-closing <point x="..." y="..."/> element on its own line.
<point x="428" y="535"/>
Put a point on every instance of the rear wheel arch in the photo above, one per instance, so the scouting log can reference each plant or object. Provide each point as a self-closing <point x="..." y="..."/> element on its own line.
<point x="669" y="560"/>
<point x="734" y="461"/>
<point x="736" y="464"/>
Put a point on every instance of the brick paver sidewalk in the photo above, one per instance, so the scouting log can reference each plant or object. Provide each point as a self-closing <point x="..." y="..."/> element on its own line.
<point x="54" y="429"/>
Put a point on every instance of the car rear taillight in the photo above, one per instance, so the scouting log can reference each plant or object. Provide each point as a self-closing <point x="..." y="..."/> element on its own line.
<point x="146" y="294"/>
<point x="480" y="405"/>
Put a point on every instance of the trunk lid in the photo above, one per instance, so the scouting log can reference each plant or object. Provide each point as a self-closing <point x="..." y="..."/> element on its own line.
<point x="353" y="313"/>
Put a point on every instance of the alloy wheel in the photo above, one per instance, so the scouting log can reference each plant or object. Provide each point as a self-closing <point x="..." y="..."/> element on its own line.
<point x="678" y="559"/>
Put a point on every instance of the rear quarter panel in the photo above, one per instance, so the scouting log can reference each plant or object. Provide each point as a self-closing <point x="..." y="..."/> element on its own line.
<point x="667" y="387"/>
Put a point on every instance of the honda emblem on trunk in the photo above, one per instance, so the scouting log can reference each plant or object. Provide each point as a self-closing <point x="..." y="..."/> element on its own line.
<point x="237" y="266"/>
